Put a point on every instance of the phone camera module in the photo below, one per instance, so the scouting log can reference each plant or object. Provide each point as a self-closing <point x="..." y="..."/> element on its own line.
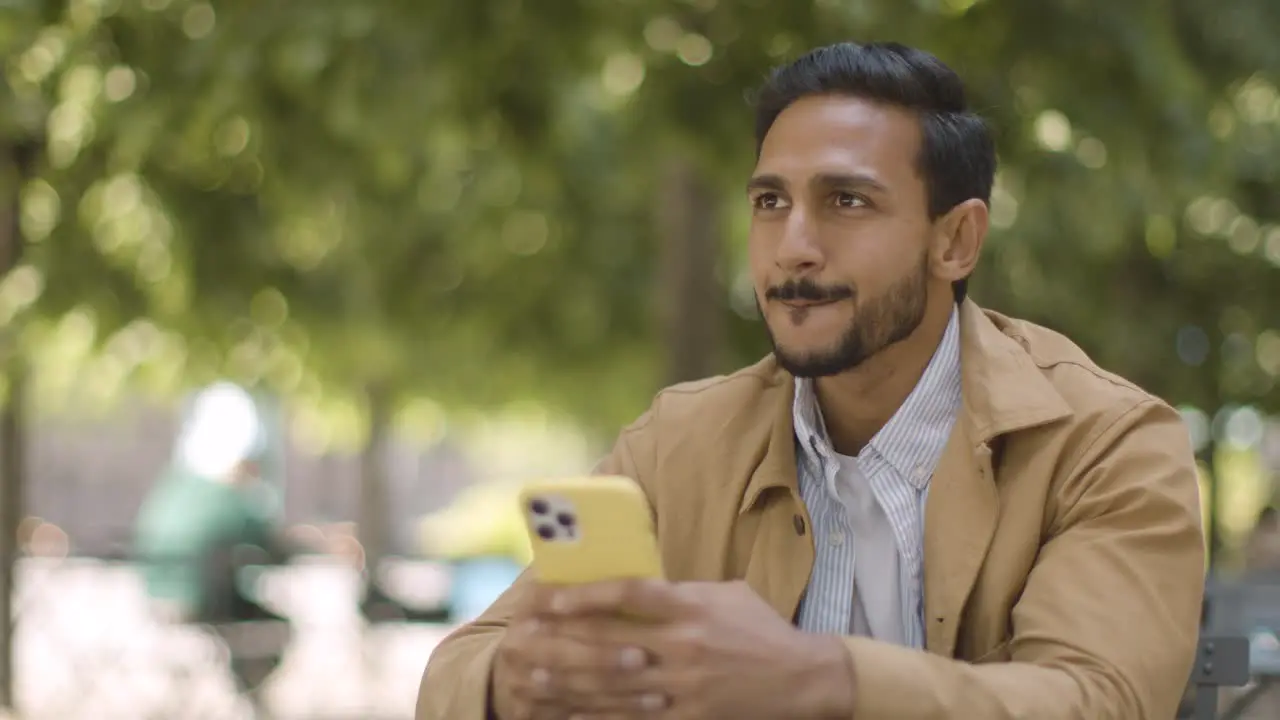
<point x="566" y="519"/>
<point x="539" y="506"/>
<point x="547" y="532"/>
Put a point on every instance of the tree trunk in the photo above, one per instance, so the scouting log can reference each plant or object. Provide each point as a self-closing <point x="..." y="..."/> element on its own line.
<point x="690" y="295"/>
<point x="11" y="505"/>
<point x="374" y="525"/>
<point x="17" y="164"/>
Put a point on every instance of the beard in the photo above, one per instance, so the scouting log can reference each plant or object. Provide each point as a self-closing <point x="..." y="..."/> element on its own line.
<point x="876" y="324"/>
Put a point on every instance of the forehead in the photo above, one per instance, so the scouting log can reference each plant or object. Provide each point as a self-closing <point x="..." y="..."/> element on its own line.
<point x="840" y="134"/>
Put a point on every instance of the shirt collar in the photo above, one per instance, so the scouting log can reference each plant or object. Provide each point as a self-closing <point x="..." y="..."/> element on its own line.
<point x="931" y="406"/>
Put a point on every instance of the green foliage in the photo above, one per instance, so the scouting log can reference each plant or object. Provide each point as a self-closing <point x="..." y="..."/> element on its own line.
<point x="455" y="199"/>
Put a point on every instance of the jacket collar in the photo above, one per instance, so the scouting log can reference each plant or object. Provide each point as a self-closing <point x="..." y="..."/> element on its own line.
<point x="1003" y="391"/>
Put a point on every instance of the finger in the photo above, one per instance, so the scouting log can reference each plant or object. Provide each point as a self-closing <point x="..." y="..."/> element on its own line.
<point x="584" y="691"/>
<point x="538" y="711"/>
<point x="616" y="681"/>
<point x="607" y="630"/>
<point x="601" y="687"/>
<point x="642" y="599"/>
<point x="575" y="643"/>
<point x="536" y="668"/>
<point x="624" y="708"/>
<point x="538" y="600"/>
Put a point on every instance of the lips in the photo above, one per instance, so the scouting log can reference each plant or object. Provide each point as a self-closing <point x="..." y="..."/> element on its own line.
<point x="806" y="304"/>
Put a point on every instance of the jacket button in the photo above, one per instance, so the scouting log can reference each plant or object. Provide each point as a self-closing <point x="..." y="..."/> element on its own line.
<point x="798" y="522"/>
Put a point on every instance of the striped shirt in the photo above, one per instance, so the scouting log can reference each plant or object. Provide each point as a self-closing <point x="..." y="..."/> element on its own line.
<point x="868" y="511"/>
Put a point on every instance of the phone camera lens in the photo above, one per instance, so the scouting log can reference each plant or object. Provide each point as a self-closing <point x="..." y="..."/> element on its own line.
<point x="539" y="506"/>
<point x="546" y="532"/>
<point x="565" y="519"/>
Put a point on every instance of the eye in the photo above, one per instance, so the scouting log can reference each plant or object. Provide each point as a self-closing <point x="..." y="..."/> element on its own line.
<point x="849" y="200"/>
<point x="768" y="201"/>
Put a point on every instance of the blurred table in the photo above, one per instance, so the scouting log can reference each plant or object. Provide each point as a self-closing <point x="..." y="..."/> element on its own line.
<point x="87" y="646"/>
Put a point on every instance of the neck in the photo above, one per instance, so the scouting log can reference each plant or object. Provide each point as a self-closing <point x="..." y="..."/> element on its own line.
<point x="857" y="403"/>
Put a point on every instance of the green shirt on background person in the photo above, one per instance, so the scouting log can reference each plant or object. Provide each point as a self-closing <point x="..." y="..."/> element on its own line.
<point x="186" y="519"/>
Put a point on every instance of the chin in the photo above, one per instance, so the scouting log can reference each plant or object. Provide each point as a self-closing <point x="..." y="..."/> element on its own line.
<point x="804" y="353"/>
<point x="804" y="342"/>
<point x="812" y="367"/>
<point x="809" y="360"/>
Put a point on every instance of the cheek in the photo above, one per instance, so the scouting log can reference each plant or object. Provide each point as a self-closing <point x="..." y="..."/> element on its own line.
<point x="874" y="255"/>
<point x="759" y="245"/>
<point x="759" y="263"/>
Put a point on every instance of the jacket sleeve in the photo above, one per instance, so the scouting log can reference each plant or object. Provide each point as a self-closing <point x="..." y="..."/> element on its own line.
<point x="455" y="685"/>
<point x="1107" y="625"/>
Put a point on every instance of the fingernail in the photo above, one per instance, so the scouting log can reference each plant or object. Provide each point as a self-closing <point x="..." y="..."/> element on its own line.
<point x="559" y="604"/>
<point x="652" y="701"/>
<point x="631" y="658"/>
<point x="540" y="677"/>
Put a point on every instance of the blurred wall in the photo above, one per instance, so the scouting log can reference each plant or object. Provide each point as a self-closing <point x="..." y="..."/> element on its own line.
<point x="89" y="478"/>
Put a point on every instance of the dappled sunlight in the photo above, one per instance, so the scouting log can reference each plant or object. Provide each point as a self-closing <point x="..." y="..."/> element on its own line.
<point x="526" y="442"/>
<point x="447" y="248"/>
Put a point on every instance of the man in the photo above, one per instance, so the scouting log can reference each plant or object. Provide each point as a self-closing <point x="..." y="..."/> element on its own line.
<point x="961" y="514"/>
<point x="208" y="502"/>
<point x="209" y="517"/>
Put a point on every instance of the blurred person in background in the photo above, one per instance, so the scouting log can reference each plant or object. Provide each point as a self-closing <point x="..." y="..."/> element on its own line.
<point x="914" y="509"/>
<point x="208" y="520"/>
<point x="482" y="534"/>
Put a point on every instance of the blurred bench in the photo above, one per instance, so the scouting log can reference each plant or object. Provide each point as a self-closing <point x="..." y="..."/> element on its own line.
<point x="408" y="590"/>
<point x="1220" y="662"/>
<point x="255" y="636"/>
<point x="1242" y="617"/>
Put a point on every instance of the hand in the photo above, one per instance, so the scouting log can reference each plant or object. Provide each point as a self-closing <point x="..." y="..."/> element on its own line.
<point x="532" y="649"/>
<point x="692" y="651"/>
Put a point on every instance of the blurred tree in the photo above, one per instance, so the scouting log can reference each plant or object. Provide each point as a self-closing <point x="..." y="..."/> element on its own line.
<point x="359" y="203"/>
<point x="381" y="173"/>
<point x="15" y="167"/>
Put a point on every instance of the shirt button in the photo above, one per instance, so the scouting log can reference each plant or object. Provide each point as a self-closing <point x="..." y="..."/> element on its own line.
<point x="921" y="472"/>
<point x="837" y="538"/>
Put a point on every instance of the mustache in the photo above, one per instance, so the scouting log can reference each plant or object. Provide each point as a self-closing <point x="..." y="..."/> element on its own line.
<point x="806" y="290"/>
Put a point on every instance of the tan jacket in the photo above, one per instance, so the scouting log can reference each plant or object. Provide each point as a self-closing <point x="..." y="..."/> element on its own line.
<point x="1064" y="559"/>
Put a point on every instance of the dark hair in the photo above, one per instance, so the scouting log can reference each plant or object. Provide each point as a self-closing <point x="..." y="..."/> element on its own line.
<point x="957" y="153"/>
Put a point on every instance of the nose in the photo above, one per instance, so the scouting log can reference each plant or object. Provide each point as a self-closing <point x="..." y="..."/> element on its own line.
<point x="799" y="251"/>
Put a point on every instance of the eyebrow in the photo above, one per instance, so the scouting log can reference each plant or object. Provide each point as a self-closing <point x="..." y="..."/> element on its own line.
<point x="851" y="180"/>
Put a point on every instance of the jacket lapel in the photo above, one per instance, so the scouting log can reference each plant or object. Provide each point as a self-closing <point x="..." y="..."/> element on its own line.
<point x="782" y="554"/>
<point x="960" y="520"/>
<point x="1003" y="392"/>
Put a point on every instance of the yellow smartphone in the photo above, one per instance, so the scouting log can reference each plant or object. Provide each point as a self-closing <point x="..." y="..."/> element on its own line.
<point x="590" y="529"/>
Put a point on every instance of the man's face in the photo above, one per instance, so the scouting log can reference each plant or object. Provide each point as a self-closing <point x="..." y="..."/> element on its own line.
<point x="839" y="233"/>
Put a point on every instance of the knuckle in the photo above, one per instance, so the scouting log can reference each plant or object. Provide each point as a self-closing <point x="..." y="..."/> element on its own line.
<point x="611" y="594"/>
<point x="521" y="640"/>
<point x="633" y="590"/>
<point x="511" y="654"/>
<point x="692" y="641"/>
<point x="577" y="684"/>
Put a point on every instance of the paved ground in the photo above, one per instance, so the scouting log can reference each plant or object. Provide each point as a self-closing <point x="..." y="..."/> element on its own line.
<point x="89" y="647"/>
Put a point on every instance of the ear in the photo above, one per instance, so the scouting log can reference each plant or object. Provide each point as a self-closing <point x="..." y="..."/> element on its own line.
<point x="958" y="239"/>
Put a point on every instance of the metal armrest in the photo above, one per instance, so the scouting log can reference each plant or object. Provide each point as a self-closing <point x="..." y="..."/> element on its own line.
<point x="1220" y="662"/>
